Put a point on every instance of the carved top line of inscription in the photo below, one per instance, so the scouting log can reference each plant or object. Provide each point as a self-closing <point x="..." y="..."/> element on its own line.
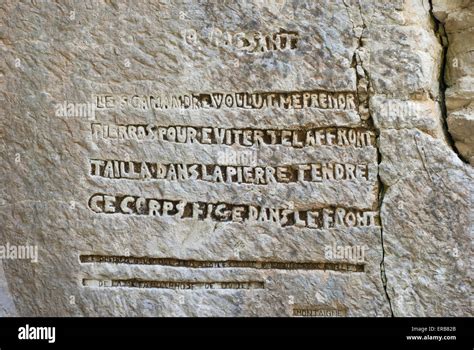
<point x="344" y="100"/>
<point x="249" y="42"/>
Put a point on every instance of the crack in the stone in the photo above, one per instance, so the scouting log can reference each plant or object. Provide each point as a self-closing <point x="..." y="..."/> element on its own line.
<point x="363" y="74"/>
<point x="442" y="36"/>
<point x="383" y="274"/>
<point x="382" y="190"/>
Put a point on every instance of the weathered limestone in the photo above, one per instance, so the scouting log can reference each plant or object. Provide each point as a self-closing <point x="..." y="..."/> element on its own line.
<point x="456" y="23"/>
<point x="259" y="158"/>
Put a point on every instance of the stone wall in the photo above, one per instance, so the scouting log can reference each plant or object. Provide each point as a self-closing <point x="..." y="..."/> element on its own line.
<point x="244" y="158"/>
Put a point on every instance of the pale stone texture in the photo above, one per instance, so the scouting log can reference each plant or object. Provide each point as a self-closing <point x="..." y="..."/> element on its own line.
<point x="418" y="258"/>
<point x="7" y="305"/>
<point x="427" y="195"/>
<point x="457" y="20"/>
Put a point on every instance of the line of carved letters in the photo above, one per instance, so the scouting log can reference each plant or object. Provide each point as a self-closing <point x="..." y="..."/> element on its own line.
<point x="345" y="100"/>
<point x="257" y="175"/>
<point x="326" y="217"/>
<point x="312" y="137"/>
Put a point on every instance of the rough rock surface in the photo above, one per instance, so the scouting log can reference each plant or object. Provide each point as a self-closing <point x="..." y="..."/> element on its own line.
<point x="455" y="25"/>
<point x="244" y="158"/>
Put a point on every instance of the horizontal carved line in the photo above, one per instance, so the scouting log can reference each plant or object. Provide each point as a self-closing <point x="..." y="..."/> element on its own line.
<point x="176" y="285"/>
<point x="216" y="264"/>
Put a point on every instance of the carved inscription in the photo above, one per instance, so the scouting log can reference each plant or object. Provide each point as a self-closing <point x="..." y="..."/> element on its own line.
<point x="177" y="285"/>
<point x="259" y="175"/>
<point x="331" y="169"/>
<point x="242" y="100"/>
<point x="328" y="217"/>
<point x="248" y="42"/>
<point x="318" y="311"/>
<point x="314" y="137"/>
<point x="224" y="264"/>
